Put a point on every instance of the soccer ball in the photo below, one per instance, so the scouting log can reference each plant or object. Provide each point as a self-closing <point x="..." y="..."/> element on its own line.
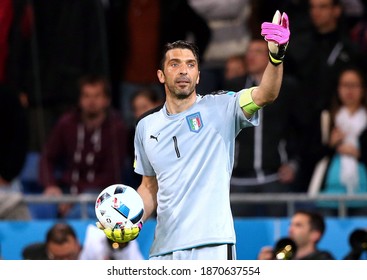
<point x="119" y="206"/>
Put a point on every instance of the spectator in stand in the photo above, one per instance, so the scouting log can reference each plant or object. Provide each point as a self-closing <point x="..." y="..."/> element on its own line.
<point x="266" y="156"/>
<point x="235" y="67"/>
<point x="317" y="57"/>
<point x="144" y="100"/>
<point x="135" y="24"/>
<point x="87" y="146"/>
<point x="323" y="52"/>
<point x="13" y="150"/>
<point x="61" y="244"/>
<point x="345" y="172"/>
<point x="306" y="230"/>
<point x="357" y="243"/>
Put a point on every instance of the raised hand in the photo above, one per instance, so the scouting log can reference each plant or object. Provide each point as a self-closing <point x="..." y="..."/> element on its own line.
<point x="277" y="34"/>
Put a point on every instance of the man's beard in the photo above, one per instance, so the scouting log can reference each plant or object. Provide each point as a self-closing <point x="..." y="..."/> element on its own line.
<point x="179" y="93"/>
<point x="183" y="95"/>
<point x="92" y="115"/>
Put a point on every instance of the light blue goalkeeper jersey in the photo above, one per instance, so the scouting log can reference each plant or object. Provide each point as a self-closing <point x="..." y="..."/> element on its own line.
<point x="191" y="154"/>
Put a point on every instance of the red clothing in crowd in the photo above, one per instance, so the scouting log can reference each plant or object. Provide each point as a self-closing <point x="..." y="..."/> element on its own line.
<point x="88" y="160"/>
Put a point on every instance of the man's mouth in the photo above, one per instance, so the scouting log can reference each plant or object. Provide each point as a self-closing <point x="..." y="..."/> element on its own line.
<point x="182" y="81"/>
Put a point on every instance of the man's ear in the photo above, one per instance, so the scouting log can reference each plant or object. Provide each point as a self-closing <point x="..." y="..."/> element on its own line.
<point x="338" y="11"/>
<point x="316" y="236"/>
<point x="160" y="76"/>
<point x="198" y="79"/>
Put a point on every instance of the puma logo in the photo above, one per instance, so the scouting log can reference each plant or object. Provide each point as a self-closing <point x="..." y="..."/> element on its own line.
<point x="154" y="137"/>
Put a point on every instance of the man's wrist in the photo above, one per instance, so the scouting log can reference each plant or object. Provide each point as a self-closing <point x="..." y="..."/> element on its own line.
<point x="275" y="61"/>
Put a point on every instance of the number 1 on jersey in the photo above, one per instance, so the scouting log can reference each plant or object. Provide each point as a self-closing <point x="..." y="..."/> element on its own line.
<point x="176" y="146"/>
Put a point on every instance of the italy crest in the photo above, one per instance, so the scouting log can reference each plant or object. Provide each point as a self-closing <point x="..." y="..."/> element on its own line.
<point x="195" y="122"/>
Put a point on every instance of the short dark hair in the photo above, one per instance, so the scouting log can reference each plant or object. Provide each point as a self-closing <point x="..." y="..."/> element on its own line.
<point x="59" y="233"/>
<point x="180" y="44"/>
<point x="92" y="79"/>
<point x="316" y="220"/>
<point x="150" y="93"/>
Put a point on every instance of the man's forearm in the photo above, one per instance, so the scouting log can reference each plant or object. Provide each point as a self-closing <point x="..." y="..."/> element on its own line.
<point x="269" y="87"/>
<point x="148" y="191"/>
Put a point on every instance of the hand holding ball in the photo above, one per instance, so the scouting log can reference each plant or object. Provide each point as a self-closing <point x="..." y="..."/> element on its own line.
<point x="119" y="210"/>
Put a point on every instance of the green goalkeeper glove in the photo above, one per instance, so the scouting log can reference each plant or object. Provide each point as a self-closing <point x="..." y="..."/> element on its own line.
<point x="122" y="235"/>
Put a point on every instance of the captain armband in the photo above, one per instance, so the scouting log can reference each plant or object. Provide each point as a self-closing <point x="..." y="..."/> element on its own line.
<point x="247" y="103"/>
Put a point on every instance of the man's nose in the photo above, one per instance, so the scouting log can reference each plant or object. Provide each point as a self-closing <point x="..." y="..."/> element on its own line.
<point x="183" y="69"/>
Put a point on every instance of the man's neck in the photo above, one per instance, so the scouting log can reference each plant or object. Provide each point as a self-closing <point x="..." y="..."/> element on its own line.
<point x="94" y="122"/>
<point x="176" y="106"/>
<point x="305" y="251"/>
<point x="328" y="28"/>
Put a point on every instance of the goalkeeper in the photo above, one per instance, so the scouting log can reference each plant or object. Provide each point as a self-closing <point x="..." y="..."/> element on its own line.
<point x="185" y="150"/>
